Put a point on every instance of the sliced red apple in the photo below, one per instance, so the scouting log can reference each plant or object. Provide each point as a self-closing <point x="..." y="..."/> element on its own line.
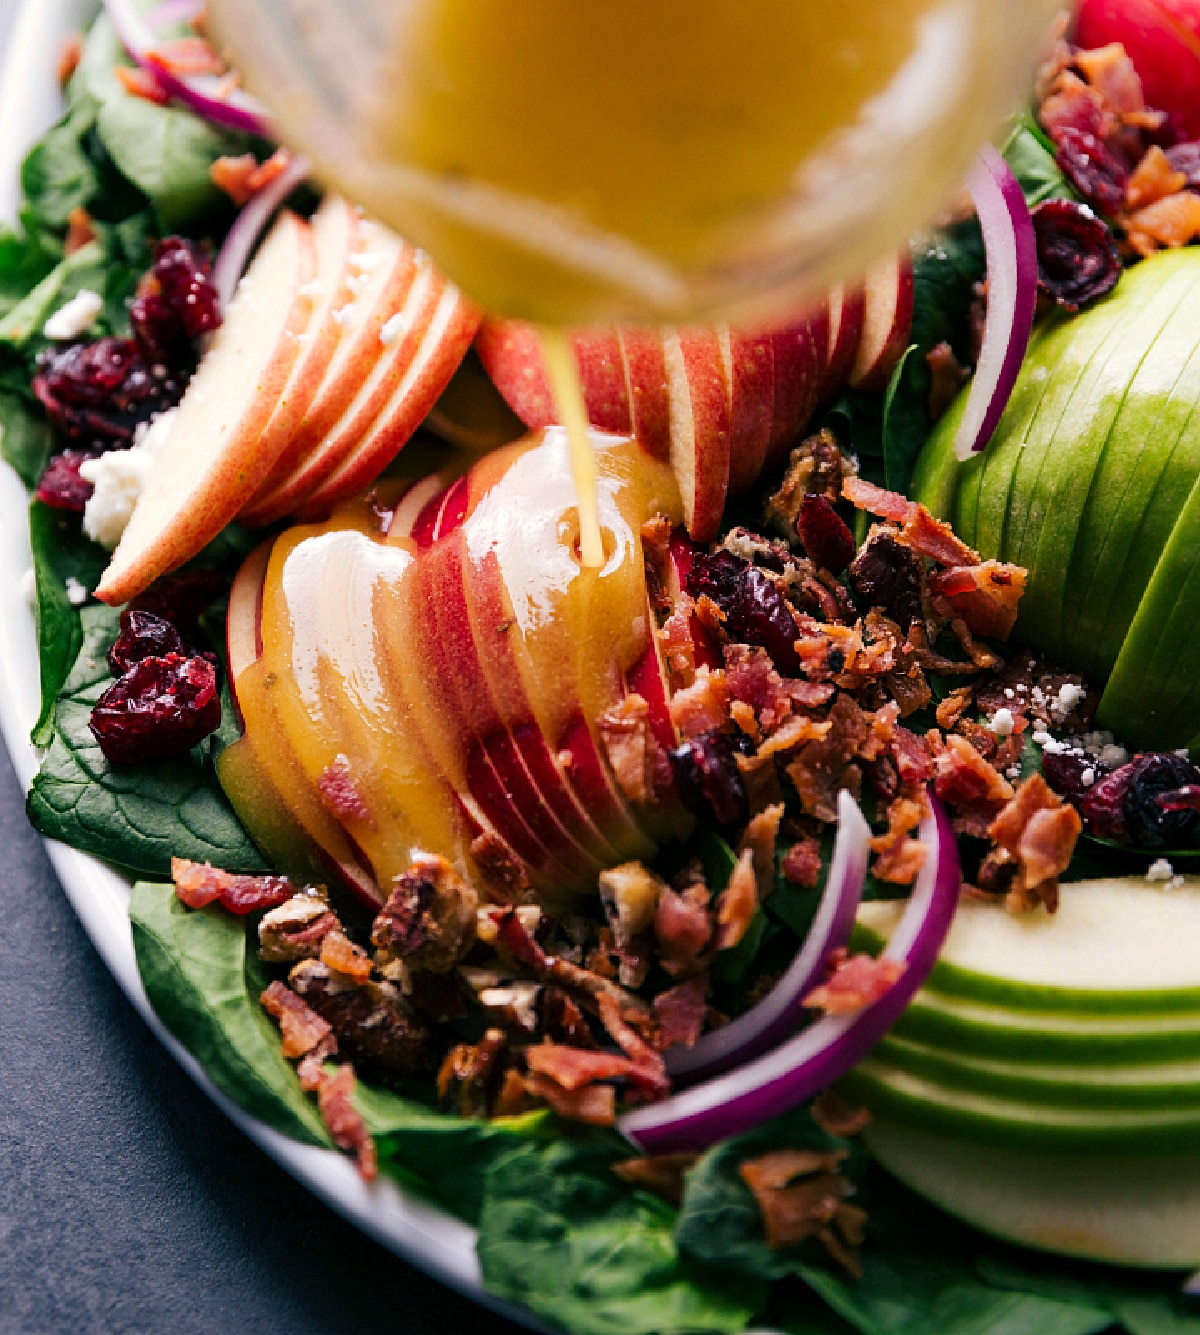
<point x="846" y="309"/>
<point x="887" y="322"/>
<point x="699" y="427"/>
<point x="212" y="464"/>
<point x="649" y="390"/>
<point x="749" y="360"/>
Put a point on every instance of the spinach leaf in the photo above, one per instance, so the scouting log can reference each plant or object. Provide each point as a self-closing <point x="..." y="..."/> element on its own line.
<point x="561" y="1234"/>
<point x="197" y="972"/>
<point x="27" y="441"/>
<point x="85" y="268"/>
<point x="60" y="553"/>
<point x="448" y="1156"/>
<point x="720" y="1223"/>
<point x="1030" y="154"/>
<point x="57" y="175"/>
<point x="136" y="816"/>
<point x="25" y="259"/>
<point x="906" y="420"/>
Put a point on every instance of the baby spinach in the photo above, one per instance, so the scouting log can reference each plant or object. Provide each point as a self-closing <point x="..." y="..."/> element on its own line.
<point x="58" y="176"/>
<point x="60" y="553"/>
<point x="204" y="985"/>
<point x="1029" y="152"/>
<point x="136" y="816"/>
<point x="562" y="1234"/>
<point x="86" y="267"/>
<point x="26" y="440"/>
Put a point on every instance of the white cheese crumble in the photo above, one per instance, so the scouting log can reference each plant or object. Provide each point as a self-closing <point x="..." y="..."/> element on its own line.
<point x="1002" y="723"/>
<point x="119" y="478"/>
<point x="1113" y="756"/>
<point x="77" y="593"/>
<point x="1161" y="870"/>
<point x="75" y="318"/>
<point x="1088" y="777"/>
<point x="393" y="328"/>
<point x="1069" y="695"/>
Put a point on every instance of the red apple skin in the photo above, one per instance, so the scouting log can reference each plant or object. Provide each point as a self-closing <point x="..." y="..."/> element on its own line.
<point x="750" y="369"/>
<point x="846" y="310"/>
<point x="1162" y="38"/>
<point x="649" y="391"/>
<point x="700" y="426"/>
<point x="887" y="322"/>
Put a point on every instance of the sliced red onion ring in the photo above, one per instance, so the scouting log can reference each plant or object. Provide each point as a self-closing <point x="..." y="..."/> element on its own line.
<point x="250" y="224"/>
<point x="1011" y="250"/>
<point x="781" y="1011"/>
<point x="828" y="1048"/>
<point x="207" y="94"/>
<point x="172" y="12"/>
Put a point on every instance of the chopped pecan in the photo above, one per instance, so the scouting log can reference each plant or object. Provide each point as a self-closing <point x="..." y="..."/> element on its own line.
<point x="429" y="918"/>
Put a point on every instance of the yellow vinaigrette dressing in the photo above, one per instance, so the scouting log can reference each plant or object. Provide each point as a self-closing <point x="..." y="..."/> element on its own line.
<point x="563" y="375"/>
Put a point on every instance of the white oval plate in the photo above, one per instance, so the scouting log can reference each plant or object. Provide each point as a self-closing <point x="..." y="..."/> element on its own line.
<point x="413" y="1228"/>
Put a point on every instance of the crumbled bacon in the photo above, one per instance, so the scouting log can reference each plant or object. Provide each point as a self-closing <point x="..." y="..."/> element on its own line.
<point x="344" y="957"/>
<point x="341" y="794"/>
<point x="1170" y="222"/>
<point x="737" y="903"/>
<point x="69" y="55"/>
<point x="80" y="231"/>
<point x="703" y="706"/>
<point x="759" y="840"/>
<point x="963" y="776"/>
<point x="661" y="1174"/>
<point x="1109" y="70"/>
<point x="682" y="928"/>
<point x="680" y="1012"/>
<point x="814" y="1206"/>
<point x="593" y="1105"/>
<point x="1035" y="836"/>
<point x="854" y="982"/>
<point x="802" y="863"/>
<point x="241" y="178"/>
<point x="1152" y="179"/>
<point x="138" y="82"/>
<point x="572" y="1068"/>
<point x="985" y="596"/>
<point x="898" y="857"/>
<point x="630" y="747"/>
<point x="647" y="1074"/>
<point x="199" y="884"/>
<point x="302" y="1028"/>
<point x="335" y="1101"/>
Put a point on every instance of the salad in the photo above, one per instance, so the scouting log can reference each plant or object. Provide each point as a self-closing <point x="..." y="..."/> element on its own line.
<point x="787" y="924"/>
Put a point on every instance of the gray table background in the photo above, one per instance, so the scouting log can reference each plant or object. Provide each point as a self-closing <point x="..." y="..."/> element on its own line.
<point x="127" y="1203"/>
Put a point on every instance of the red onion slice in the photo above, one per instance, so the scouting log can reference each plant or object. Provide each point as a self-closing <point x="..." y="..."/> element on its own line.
<point x="207" y="94"/>
<point x="250" y="224"/>
<point x="781" y="1012"/>
<point x="1011" y="250"/>
<point x="828" y="1048"/>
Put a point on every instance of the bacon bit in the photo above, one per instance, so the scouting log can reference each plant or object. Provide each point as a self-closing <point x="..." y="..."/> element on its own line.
<point x="911" y="756"/>
<point x="1072" y="105"/>
<point x="199" y="884"/>
<point x="1112" y="74"/>
<point x="759" y="840"/>
<point x="335" y="1102"/>
<point x="572" y="1068"/>
<point x="138" y="82"/>
<point x="242" y="177"/>
<point x="344" y="957"/>
<point x="682" y="928"/>
<point x="743" y="716"/>
<point x="647" y="1072"/>
<point x="69" y="55"/>
<point x="630" y="747"/>
<point x="701" y="707"/>
<point x="900" y="858"/>
<point x="676" y="641"/>
<point x="1035" y="833"/>
<point x="985" y="596"/>
<point x="593" y="1105"/>
<point x="931" y="538"/>
<point x="1153" y="178"/>
<point x="661" y="1174"/>
<point x="954" y="706"/>
<point x="751" y="679"/>
<point x="302" y="1028"/>
<point x="514" y="1096"/>
<point x="794" y="732"/>
<point x="836" y="1117"/>
<point x="963" y="776"/>
<point x="821" y="766"/>
<point x="947" y="376"/>
<point x="466" y="1076"/>
<point x="802" y="863"/>
<point x="737" y="903"/>
<point x="864" y="495"/>
<point x="79" y="231"/>
<point x="186" y="56"/>
<point x="1170" y="222"/>
<point x="680" y="1012"/>
<point x="340" y="793"/>
<point x="855" y="981"/>
<point x="795" y="1211"/>
<point x="501" y="873"/>
<point x="563" y="1021"/>
<point x="311" y="1069"/>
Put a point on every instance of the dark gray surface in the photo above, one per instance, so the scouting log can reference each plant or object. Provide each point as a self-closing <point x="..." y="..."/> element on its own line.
<point x="127" y="1202"/>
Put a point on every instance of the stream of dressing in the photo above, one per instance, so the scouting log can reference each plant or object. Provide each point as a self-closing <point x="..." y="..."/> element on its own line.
<point x="563" y="375"/>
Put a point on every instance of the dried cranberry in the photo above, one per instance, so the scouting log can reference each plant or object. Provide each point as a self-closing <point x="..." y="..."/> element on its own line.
<point x="99" y="393"/>
<point x="1186" y="798"/>
<point x="182" y="598"/>
<point x="176" y="303"/>
<point x="1077" y="257"/>
<point x="1096" y="173"/>
<point x="1148" y="823"/>
<point x="143" y="635"/>
<point x="161" y="707"/>
<point x="889" y="575"/>
<point x="1103" y="807"/>
<point x="824" y="533"/>
<point x="1186" y="158"/>
<point x="708" y="780"/>
<point x="1064" y="773"/>
<point x="754" y="609"/>
<point x="61" y="486"/>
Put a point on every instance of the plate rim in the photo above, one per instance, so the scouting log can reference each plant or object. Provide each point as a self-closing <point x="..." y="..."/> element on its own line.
<point x="408" y="1225"/>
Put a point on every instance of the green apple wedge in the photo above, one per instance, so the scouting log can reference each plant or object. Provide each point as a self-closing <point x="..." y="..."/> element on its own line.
<point x="1120" y="948"/>
<point x="1126" y="1209"/>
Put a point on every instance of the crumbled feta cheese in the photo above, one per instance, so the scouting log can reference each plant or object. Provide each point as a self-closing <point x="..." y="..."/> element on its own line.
<point x="1183" y="753"/>
<point x="1069" y="695"/>
<point x="1088" y="777"/>
<point x="75" y="318"/>
<point x="1160" y="871"/>
<point x="77" y="593"/>
<point x="119" y="478"/>
<point x="345" y="315"/>
<point x="1113" y="757"/>
<point x="1013" y="772"/>
<point x="29" y="586"/>
<point x="1009" y="693"/>
<point x="1002" y="723"/>
<point x="394" y="327"/>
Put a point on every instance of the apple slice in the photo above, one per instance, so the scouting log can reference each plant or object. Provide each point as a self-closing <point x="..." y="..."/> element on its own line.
<point x="648" y="388"/>
<point x="846" y="310"/>
<point x="887" y="322"/>
<point x="699" y="426"/>
<point x="436" y="351"/>
<point x="213" y="464"/>
<point x="382" y="268"/>
<point x="800" y="353"/>
<point x="749" y="360"/>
